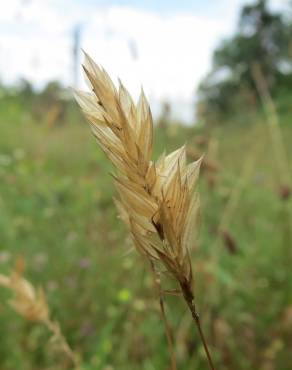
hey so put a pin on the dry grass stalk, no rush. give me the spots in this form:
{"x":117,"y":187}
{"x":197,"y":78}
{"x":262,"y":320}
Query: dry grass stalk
{"x":158,"y":200}
{"x":233,"y":201}
{"x":210,"y":166}
{"x":274,"y":126}
{"x":168,"y":329}
{"x":281,"y":160}
{"x":31,"y":304}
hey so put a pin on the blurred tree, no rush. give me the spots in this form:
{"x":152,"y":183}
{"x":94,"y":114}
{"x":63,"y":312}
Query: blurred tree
{"x":25,"y":89}
{"x":262,"y":37}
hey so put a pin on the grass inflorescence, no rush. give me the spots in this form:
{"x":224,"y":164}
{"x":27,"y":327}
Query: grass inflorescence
{"x":158,"y":200}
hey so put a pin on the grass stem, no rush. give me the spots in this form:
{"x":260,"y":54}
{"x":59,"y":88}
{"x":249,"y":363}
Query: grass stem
{"x":54,"y":328}
{"x":189,"y":298}
{"x":168,"y":329}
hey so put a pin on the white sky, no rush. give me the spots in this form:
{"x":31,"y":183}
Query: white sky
{"x":174,"y":43}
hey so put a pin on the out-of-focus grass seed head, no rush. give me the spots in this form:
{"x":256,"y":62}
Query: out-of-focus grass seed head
{"x":27,"y":301}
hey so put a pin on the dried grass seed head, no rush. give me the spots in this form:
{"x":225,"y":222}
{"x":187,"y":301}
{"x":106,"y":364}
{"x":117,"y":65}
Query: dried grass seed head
{"x":158,"y":200}
{"x":27,"y":301}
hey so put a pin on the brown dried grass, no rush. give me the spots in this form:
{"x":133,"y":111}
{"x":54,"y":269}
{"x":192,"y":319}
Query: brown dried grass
{"x":31,"y":304}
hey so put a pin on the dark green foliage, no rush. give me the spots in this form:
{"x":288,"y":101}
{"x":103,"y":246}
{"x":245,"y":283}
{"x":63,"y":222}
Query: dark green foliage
{"x":262,"y":37}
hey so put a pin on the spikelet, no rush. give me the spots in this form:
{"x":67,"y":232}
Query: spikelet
{"x":157,"y":200}
{"x":31,"y":304}
{"x":27,"y":301}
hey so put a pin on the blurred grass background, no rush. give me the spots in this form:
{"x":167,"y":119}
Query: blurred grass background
{"x":57,"y":211}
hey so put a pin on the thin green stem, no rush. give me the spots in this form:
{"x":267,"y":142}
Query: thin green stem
{"x":168,"y":330}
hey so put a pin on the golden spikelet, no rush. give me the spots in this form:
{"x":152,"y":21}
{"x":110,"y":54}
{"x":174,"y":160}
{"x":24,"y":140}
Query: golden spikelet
{"x":27,"y":301}
{"x":157,"y":200}
{"x":31,"y":304}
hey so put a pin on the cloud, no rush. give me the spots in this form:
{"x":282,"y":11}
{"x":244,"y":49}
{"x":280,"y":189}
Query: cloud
{"x":173,"y":50}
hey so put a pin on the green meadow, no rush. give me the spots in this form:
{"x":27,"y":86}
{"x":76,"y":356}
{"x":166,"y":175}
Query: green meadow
{"x":56,"y":211}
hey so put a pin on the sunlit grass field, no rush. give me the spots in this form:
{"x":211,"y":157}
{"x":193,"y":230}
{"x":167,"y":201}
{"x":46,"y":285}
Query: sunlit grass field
{"x":56,"y":211}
